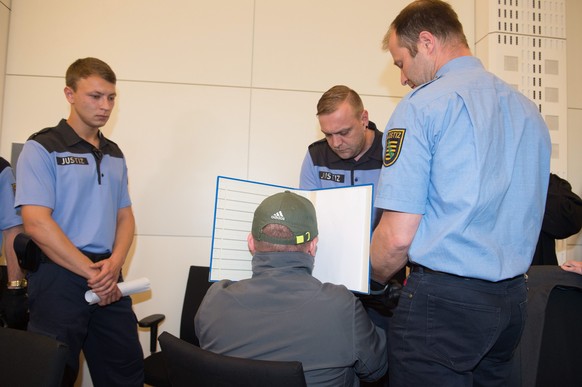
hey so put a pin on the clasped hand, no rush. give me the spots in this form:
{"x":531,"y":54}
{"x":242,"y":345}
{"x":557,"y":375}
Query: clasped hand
{"x":104,"y":283}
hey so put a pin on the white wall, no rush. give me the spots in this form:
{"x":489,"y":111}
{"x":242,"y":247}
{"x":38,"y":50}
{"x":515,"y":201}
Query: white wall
{"x":206,"y":88}
{"x":4,"y":25}
{"x":573,"y":245}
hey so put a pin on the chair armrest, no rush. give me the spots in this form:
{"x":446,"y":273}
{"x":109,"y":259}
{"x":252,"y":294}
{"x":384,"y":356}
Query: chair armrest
{"x":149,"y":321}
{"x":152,"y":322}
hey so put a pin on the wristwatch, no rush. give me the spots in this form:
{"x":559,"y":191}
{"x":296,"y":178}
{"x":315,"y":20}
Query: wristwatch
{"x":18,"y":284}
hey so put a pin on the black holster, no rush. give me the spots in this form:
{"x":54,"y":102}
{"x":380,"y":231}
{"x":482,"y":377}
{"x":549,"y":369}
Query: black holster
{"x":28,"y":253}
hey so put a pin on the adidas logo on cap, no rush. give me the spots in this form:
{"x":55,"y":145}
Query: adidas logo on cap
{"x":287,"y":209}
{"x":278,"y":216}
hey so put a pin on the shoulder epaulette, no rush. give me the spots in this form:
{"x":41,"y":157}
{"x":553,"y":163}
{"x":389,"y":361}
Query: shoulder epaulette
{"x":3,"y":164}
{"x":317,"y":143}
{"x":32,"y":136}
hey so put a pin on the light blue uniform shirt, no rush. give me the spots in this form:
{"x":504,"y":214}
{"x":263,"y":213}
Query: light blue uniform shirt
{"x":472,"y":155}
{"x":84,"y":186}
{"x":8,"y":215}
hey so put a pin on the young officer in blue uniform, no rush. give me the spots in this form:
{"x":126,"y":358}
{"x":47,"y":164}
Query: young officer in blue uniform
{"x":14,"y":306}
{"x":463,"y":190}
{"x":73,"y":194}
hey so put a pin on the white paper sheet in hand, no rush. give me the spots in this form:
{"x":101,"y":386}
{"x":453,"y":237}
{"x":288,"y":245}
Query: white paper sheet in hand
{"x":130,"y":287}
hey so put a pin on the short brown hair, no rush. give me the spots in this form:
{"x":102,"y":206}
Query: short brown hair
{"x":435,"y":16}
{"x":86,"y":67}
{"x":281,"y":232}
{"x":331,"y":99}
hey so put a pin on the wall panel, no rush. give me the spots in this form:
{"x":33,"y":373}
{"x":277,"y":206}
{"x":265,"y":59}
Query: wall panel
{"x":574,"y":63}
{"x":309,"y":46}
{"x":207,"y":42}
{"x":33,"y":103}
{"x":177,"y":139}
{"x":4,"y":25}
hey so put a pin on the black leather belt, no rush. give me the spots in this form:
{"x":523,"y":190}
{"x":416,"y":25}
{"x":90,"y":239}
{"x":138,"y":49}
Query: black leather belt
{"x":94,"y":257}
{"x":30,"y":256}
{"x":423,"y":269}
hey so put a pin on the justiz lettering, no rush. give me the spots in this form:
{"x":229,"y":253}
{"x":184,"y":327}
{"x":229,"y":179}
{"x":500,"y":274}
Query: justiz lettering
{"x":70,"y":160}
{"x":331,"y":177}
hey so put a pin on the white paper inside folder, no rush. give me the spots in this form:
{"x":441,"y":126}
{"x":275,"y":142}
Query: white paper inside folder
{"x":129,"y":287}
{"x":343,"y":249}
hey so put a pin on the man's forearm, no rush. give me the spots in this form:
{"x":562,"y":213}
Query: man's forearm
{"x":390,"y":243}
{"x":14,"y":271}
{"x":47,"y":234}
{"x":123,"y":235}
{"x":385,"y":261}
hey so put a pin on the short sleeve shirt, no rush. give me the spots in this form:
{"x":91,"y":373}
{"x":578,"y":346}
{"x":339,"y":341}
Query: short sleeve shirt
{"x":472,"y":155}
{"x":83,"y":185}
{"x":8,"y":214}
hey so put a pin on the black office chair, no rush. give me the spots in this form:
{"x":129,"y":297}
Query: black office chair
{"x":196,"y":287}
{"x":561,"y":347}
{"x":30,"y":359}
{"x":190,"y":365}
{"x":550,"y":349}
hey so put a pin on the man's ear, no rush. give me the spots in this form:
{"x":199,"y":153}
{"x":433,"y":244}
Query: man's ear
{"x":365,"y":118}
{"x":69,"y":94}
{"x":426,"y":40}
{"x":313,"y":247}
{"x":251,"y":243}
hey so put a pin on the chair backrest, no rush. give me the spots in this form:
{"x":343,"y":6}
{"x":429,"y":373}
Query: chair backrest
{"x":189,"y":365}
{"x":30,"y":359}
{"x":196,"y":289}
{"x":549,"y":351}
{"x":561,"y":341}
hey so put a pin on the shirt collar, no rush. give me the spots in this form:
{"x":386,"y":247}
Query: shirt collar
{"x":72,"y":138}
{"x":459,"y":63}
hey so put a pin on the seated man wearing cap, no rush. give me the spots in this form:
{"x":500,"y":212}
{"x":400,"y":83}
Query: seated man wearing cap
{"x":284,"y":313}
